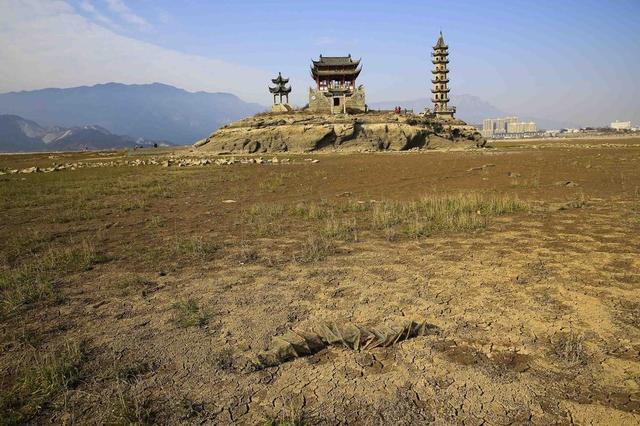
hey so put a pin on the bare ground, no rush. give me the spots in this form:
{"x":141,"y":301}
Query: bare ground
{"x":153,"y":295}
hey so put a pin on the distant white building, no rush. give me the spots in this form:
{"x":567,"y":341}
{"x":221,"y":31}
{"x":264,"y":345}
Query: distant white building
{"x":521,"y":127}
{"x":506,"y":126}
{"x":621,"y":125}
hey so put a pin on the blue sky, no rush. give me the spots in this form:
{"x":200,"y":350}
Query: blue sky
{"x":575,"y":60}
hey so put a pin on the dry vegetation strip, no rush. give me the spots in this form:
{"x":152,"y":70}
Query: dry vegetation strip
{"x":63,"y":226}
{"x":41,"y":382}
{"x":326,"y":225}
{"x":457,"y":212}
{"x":35,"y":278}
{"x":34,"y":266}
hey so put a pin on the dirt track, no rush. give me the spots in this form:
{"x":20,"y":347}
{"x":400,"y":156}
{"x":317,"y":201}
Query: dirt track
{"x":536,"y":318}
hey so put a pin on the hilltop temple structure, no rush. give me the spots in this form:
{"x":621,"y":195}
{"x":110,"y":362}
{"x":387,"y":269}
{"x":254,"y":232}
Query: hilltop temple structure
{"x":327,"y":124}
{"x":279,"y":91}
{"x":440,"y":81}
{"x":336,"y":90}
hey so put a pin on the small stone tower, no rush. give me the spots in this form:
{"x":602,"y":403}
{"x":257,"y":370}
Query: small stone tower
{"x":279,"y":91}
{"x":440,"y":80}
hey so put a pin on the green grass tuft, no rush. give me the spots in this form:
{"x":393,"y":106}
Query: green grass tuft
{"x":464,"y":212}
{"x":41,"y":382}
{"x":35,"y":279}
{"x":195,"y":248}
{"x":340,"y":229}
{"x":316,"y":248}
{"x":189,"y":314}
{"x":131,"y":409}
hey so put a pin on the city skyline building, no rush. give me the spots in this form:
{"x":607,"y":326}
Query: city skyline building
{"x":621,"y":125}
{"x":498,"y":127}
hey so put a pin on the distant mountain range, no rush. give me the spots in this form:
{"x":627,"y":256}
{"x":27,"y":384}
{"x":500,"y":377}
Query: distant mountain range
{"x":21,"y":135}
{"x":93,"y":117}
{"x":151,"y":111}
{"x":471,"y":109}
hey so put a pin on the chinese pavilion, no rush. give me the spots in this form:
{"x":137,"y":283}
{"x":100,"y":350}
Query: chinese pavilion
{"x":280,"y":89}
{"x":440,"y":80}
{"x":336,"y":90}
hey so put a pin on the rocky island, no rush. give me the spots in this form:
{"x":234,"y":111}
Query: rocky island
{"x":337,"y":117}
{"x":304,"y":131}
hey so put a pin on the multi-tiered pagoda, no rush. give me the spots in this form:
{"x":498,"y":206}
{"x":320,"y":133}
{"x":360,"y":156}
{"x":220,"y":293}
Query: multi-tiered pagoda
{"x":440,"y":80}
{"x":279,"y":91}
{"x":336,"y":90}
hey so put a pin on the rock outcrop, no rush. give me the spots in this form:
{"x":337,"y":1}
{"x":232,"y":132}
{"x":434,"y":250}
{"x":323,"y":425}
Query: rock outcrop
{"x":305,"y":132}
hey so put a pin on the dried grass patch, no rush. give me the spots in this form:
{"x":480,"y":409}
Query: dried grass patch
{"x":40,"y":382}
{"x":34,"y":280}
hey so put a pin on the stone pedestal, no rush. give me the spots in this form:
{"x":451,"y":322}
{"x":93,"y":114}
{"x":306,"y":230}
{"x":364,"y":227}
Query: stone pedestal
{"x":326,"y":102}
{"x":281,"y":108}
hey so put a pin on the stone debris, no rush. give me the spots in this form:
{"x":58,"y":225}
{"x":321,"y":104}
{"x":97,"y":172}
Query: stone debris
{"x":163,"y":162}
{"x":566,"y":183}
{"x":481,"y":167}
{"x":569,"y":205}
{"x":557,"y":144}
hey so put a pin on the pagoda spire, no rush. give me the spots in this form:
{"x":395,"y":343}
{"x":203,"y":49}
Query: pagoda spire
{"x":440,"y":81}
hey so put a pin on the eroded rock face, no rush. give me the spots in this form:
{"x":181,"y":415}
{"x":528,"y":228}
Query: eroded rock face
{"x":303,"y":132}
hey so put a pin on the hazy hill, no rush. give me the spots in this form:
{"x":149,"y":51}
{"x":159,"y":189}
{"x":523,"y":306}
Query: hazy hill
{"x":18,"y":134}
{"x":21,"y":135}
{"x":151,"y":111}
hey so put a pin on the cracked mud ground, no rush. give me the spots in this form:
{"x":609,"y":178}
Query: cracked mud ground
{"x":537,"y":314}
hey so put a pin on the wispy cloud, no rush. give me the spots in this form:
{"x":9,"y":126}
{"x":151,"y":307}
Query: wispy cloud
{"x":53,"y":45}
{"x":89,"y":8}
{"x":120,"y":8}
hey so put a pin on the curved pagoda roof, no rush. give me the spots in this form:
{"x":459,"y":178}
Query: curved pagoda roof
{"x":440,"y":44}
{"x":280,"y":87}
{"x":328,"y":66}
{"x":279,"y":79}
{"x":336,"y":61}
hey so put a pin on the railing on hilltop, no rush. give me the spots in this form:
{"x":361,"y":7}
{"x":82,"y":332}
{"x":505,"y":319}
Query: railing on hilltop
{"x":402,"y":111}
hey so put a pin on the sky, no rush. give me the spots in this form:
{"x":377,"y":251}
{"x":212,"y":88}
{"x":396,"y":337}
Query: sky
{"x":570,"y":60}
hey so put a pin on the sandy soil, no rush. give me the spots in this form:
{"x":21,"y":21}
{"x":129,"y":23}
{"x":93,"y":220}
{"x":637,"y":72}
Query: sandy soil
{"x":535,"y":318}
